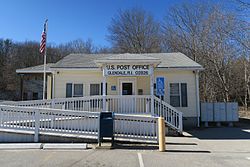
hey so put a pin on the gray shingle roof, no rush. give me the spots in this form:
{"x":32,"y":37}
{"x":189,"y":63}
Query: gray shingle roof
{"x":35,"y":69}
{"x":168,"y":60}
{"x":176,"y":60}
{"x":78,"y":61}
{"x":128,"y":56}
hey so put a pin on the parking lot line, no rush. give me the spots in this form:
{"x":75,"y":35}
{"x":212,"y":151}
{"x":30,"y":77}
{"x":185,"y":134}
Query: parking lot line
{"x":140,"y":160}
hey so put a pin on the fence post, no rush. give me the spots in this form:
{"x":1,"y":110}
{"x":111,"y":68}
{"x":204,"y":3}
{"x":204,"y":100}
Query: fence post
{"x":53,"y":103}
{"x":152,"y":106}
{"x":156,"y":129}
{"x":180,"y":122}
{"x":107,"y":105}
{"x":1,"y":117}
{"x":52,"y":122}
{"x":161,"y":134}
{"x":37,"y":125}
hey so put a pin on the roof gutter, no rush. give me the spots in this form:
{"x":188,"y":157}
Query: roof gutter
{"x":76,"y":69}
{"x":31,"y":71}
{"x":179,"y":68}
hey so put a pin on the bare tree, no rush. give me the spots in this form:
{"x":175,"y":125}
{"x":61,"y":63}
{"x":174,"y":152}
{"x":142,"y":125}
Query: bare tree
{"x":134,"y":31}
{"x":243,"y":4}
{"x":211,"y":36}
{"x":77,"y":46}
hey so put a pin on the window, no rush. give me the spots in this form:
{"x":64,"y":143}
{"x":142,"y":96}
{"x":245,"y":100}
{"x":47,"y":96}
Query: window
{"x":178,"y":94}
{"x":174,"y":94}
{"x":78,"y":90}
{"x":74,"y":90}
{"x":94,"y":89}
{"x":35,"y":96}
{"x":25,"y":96}
{"x":69,"y":90}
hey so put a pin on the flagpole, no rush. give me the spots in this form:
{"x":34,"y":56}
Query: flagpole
{"x":44,"y":65}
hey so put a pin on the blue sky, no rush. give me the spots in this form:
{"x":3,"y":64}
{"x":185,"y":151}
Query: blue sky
{"x":68,"y":19}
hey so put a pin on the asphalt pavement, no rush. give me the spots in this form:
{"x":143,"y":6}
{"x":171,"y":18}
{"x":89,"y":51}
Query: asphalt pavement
{"x":212,"y":147}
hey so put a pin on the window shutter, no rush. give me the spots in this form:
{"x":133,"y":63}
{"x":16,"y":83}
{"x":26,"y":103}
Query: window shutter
{"x":69,"y":90}
{"x":184,"y":95}
{"x":106,"y":88}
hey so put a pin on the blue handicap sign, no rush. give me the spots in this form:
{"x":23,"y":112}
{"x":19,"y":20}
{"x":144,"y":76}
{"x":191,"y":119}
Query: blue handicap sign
{"x":160,"y":86}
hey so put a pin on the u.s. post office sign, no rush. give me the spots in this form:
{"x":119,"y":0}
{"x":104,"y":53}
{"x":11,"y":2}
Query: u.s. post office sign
{"x":127,"y":70}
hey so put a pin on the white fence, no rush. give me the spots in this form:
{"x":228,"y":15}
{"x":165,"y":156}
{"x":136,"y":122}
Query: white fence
{"x":48,"y":120}
{"x":58,"y":121}
{"x":172,"y":117}
{"x":89,"y":103}
{"x":136,"y":127}
{"x":219,"y":112}
{"x":119,"y":104}
{"x":131,"y":104}
{"x":134,"y":104}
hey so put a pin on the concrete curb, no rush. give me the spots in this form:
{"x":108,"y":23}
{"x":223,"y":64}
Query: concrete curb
{"x":82,"y":146}
{"x":15,"y":146}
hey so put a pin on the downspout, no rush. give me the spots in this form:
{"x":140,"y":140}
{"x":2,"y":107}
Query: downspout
{"x":104,"y":91}
{"x":53,"y":85}
{"x":152,"y":89}
{"x":21,"y":86}
{"x":197,"y":97}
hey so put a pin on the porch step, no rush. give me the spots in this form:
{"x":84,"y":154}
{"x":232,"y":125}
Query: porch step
{"x":172,"y":132}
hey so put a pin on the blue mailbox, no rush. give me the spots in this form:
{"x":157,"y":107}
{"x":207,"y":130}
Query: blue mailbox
{"x":106,"y":126}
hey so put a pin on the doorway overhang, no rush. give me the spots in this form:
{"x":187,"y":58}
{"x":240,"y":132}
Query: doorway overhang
{"x":128,"y":59}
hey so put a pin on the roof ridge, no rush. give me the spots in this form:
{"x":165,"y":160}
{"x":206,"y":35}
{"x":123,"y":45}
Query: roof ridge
{"x":167,"y":60}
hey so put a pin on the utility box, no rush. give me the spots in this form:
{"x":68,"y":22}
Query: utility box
{"x":106,"y":127}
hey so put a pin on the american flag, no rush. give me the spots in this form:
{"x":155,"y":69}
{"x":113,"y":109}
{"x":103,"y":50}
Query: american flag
{"x":43,"y":39}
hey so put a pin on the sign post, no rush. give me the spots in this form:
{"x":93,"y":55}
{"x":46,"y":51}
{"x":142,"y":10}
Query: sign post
{"x":160,"y":89}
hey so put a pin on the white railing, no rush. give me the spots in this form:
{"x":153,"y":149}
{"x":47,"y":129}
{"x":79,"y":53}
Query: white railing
{"x":130,"y":104}
{"x":49,"y":120}
{"x":136,"y":127}
{"x":59,"y":121}
{"x":29,"y":103}
{"x":172,"y":116}
{"x":12,"y":117}
{"x":87,"y":103}
{"x":134,"y":104}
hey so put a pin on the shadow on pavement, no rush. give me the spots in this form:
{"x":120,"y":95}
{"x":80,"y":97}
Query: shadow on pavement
{"x":135,"y":146}
{"x":241,"y":131}
{"x":155,"y":147}
{"x":185,"y":144}
{"x":188,"y":151}
{"x":147,"y":146}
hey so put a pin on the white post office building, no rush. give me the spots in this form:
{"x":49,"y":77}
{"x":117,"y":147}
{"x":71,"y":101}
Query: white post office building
{"x":127,"y":82}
